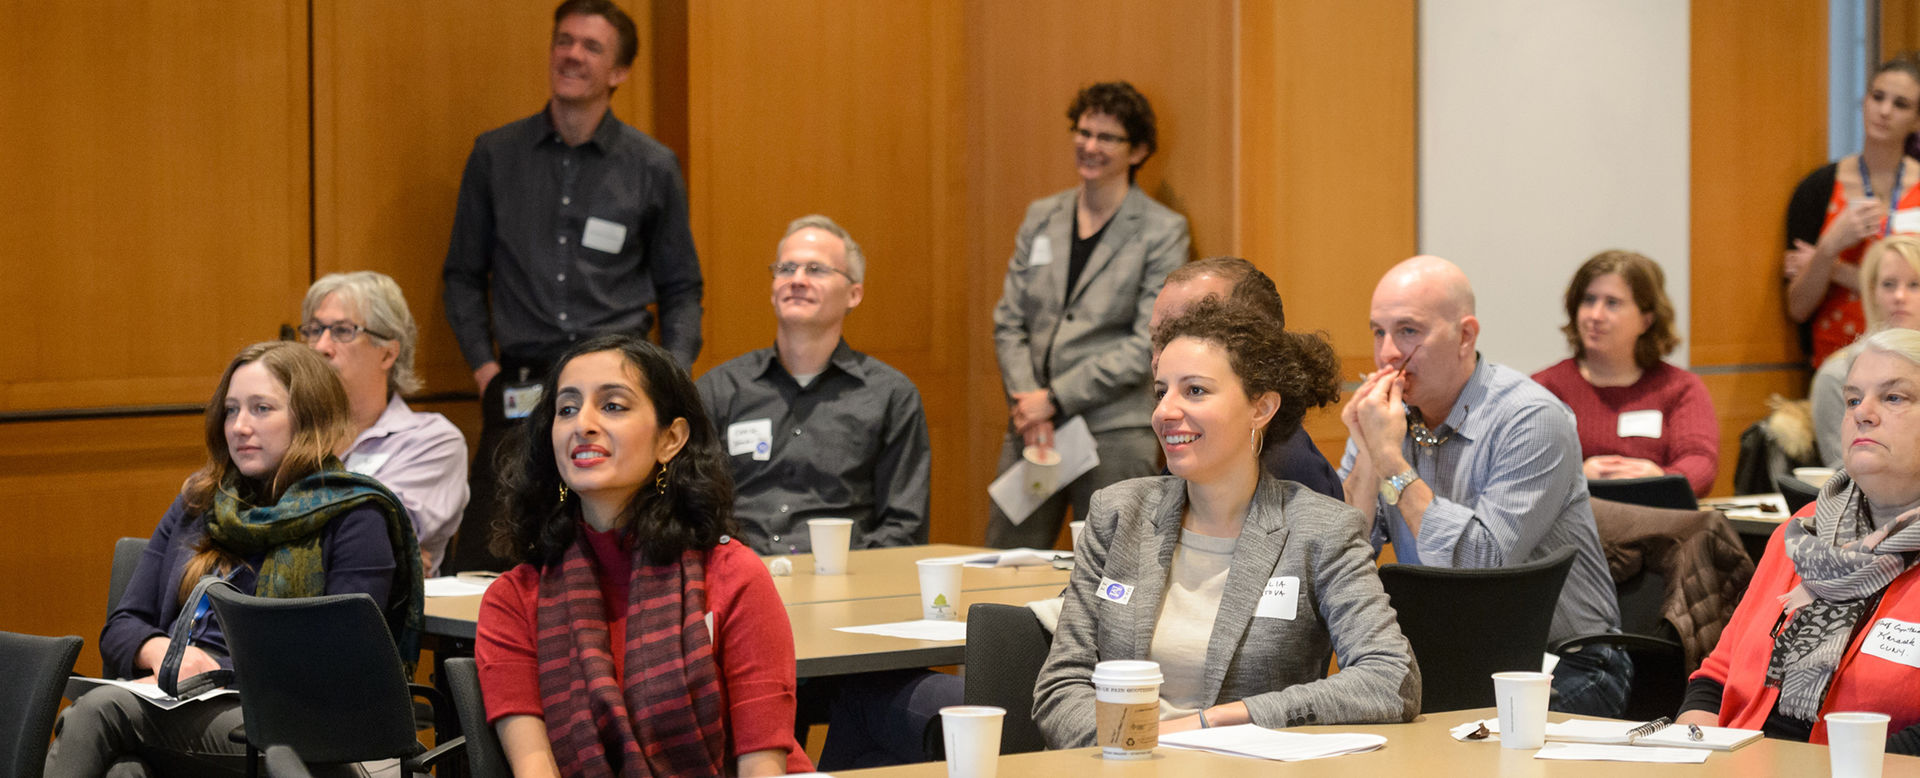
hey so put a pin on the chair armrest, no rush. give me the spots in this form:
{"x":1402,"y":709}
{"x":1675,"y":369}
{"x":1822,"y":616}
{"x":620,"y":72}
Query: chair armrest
{"x":432,"y":757}
{"x":1627,"y":641}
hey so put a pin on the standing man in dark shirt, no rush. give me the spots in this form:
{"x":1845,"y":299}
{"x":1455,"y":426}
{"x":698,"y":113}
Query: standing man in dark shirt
{"x":569,"y":224}
{"x":816,"y":429}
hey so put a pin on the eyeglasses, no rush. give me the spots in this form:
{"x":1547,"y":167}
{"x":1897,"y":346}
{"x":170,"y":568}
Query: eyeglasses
{"x":343,"y":331}
{"x":811,"y":269}
{"x":1106,"y":139}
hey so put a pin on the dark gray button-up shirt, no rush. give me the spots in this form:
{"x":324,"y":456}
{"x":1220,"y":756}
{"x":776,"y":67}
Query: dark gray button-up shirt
{"x":567,"y":242}
{"x":852,"y":444}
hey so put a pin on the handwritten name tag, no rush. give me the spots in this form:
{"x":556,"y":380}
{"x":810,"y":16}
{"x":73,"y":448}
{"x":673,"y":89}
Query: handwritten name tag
{"x":1639,"y":424}
{"x":1114,"y":591}
{"x":1281,"y":600}
{"x":1895,"y":641}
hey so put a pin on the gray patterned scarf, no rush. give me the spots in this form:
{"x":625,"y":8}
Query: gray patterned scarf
{"x":1844,"y":564}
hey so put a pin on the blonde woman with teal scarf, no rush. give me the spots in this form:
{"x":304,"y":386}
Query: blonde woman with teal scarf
{"x":273,"y":512}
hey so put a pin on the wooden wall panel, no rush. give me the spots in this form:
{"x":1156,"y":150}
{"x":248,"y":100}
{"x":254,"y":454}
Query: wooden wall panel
{"x":853,"y":110}
{"x":1765,"y":60}
{"x":395,"y":115}
{"x":1749,"y":61}
{"x":1899,"y":27}
{"x":1024,"y":63}
{"x":1328,"y":150}
{"x":155,"y":195}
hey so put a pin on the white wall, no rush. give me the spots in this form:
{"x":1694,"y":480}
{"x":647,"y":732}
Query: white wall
{"x":1550,"y":131}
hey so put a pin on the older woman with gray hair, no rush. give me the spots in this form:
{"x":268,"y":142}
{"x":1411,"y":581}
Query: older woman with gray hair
{"x":1890,"y":298}
{"x":361,"y":324}
{"x":1828,"y":622}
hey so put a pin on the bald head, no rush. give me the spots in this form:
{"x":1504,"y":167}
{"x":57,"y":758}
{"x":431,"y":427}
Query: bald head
{"x":1439,"y":284}
{"x":1423,"y":324}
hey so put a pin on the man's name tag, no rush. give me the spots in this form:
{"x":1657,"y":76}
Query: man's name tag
{"x":1114,"y":591}
{"x":1906,"y":220}
{"x":1639,"y":424}
{"x":366,"y":464}
{"x":1041,"y":253}
{"x":1895,"y":641}
{"x":603,"y":235}
{"x":753,"y":436}
{"x":519,"y":399}
{"x":1281,"y":600}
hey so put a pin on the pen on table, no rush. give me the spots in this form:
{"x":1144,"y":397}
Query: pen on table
{"x":1694,"y":734}
{"x":1647,"y":729}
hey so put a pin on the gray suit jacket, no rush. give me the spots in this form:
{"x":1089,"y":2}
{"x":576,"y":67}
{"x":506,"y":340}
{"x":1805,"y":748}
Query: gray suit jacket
{"x":1278,"y":667}
{"x":1092,"y":349}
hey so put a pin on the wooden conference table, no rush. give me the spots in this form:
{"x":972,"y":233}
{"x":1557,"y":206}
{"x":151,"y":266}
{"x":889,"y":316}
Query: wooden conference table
{"x":1422,"y":747}
{"x":882,"y":585}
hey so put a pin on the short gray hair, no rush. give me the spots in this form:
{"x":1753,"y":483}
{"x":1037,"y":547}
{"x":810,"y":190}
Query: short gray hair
{"x":856,"y":261}
{"x":1897,"y":341}
{"x":381,"y":308}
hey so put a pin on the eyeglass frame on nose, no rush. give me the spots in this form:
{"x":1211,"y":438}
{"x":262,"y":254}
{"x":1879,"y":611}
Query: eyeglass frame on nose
{"x":810,"y":269}
{"x":343,"y":331}
{"x":1106,"y":139}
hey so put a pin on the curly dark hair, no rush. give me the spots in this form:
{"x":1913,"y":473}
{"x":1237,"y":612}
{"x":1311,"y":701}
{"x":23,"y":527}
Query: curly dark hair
{"x":1649,"y":286}
{"x":1302,"y":368}
{"x":1121,"y":101}
{"x":696,"y":509}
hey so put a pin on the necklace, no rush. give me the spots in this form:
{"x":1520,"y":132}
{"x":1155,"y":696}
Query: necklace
{"x":1417,"y":427}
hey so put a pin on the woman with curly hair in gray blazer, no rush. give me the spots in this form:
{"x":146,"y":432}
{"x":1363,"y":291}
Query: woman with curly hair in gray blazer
{"x":1240,"y":585}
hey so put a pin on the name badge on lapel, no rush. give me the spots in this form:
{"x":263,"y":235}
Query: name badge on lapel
{"x":1041,"y":253}
{"x":1114,"y":591}
{"x":1281,"y":600}
{"x":1895,"y":641}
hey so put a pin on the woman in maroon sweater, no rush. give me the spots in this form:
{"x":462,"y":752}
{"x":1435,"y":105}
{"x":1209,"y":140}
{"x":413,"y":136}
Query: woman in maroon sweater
{"x":1638,"y":415}
{"x":635,"y":637}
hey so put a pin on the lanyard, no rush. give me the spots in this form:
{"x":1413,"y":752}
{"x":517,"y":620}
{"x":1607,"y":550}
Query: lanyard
{"x":1866,"y":188}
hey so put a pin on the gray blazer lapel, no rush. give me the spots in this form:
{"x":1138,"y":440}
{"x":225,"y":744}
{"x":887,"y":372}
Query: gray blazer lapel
{"x":1126,"y":223}
{"x":1254,"y":558}
{"x":1155,"y":554}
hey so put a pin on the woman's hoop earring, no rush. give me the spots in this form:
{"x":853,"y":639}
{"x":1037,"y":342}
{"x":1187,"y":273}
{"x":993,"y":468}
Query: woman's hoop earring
{"x":660,"y":481}
{"x":1258,"y":442}
{"x":563,"y":494}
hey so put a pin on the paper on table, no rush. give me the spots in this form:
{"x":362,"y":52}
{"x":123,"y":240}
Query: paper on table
{"x":1078,"y":454}
{"x":1012,"y":557}
{"x":458,"y":585}
{"x":1593,"y":752}
{"x":1591,"y":731}
{"x":1262,"y":743}
{"x":918,"y":629}
{"x":150,"y":693}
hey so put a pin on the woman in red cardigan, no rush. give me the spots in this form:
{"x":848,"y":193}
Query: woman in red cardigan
{"x":635,"y":637}
{"x":1638,"y":415}
{"x":1828,"y":622}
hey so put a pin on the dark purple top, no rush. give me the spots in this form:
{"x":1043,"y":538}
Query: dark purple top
{"x":358,"y":558}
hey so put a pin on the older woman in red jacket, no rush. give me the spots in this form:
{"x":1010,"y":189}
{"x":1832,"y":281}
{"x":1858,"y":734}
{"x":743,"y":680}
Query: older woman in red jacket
{"x":1828,"y":621}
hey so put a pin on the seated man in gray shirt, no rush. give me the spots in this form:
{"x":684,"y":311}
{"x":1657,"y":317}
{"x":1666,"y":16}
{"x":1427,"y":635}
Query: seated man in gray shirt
{"x":1465,"y":463}
{"x":816,"y":429}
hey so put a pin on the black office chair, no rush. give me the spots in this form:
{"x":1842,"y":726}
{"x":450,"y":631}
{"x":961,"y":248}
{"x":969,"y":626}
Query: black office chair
{"x":1659,"y":672}
{"x":484,"y":757}
{"x":33,"y":671}
{"x":1466,"y":624}
{"x":1005,"y":647}
{"x":1659,"y":491}
{"x":126,"y":559}
{"x":1796,"y":492}
{"x":321,"y":675}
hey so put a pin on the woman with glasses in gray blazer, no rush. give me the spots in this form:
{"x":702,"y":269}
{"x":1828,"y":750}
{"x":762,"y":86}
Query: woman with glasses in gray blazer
{"x":1241,"y":586}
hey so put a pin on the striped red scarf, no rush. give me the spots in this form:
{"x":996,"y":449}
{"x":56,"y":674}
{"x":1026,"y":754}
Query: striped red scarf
{"x":664,"y":717}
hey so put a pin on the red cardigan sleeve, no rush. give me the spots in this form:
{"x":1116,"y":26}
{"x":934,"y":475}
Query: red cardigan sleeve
{"x":755,"y":652}
{"x":503,"y":649}
{"x":1695,"y":450}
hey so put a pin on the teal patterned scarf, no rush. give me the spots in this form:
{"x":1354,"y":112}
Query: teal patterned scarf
{"x":289,"y":531}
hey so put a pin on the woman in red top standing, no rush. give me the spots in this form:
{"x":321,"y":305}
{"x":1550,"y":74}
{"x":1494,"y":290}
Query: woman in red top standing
{"x":1839,"y":208}
{"x":1637,"y":414}
{"x":635,"y":638}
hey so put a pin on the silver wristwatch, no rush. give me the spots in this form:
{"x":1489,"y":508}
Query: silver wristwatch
{"x":1391,"y":488}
